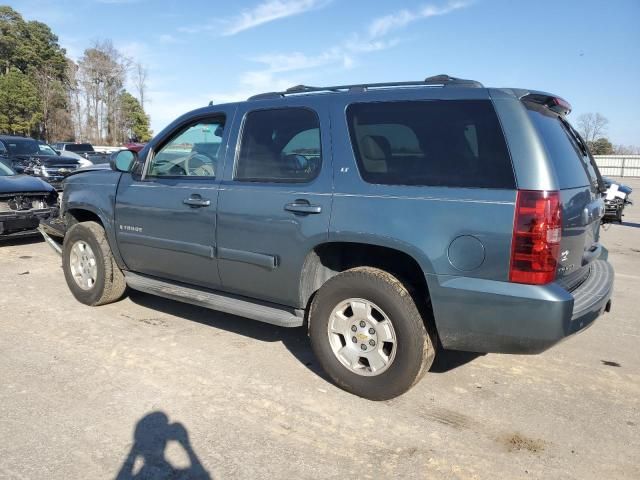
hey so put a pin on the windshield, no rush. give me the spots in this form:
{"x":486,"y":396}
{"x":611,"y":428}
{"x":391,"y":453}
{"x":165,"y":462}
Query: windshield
{"x":5,"y":171}
{"x":47,"y":150}
{"x":79,"y":147}
{"x":22,"y":146}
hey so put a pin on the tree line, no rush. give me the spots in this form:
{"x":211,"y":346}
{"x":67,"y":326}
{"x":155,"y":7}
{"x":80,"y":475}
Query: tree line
{"x":46,"y":95}
{"x":593,"y":128}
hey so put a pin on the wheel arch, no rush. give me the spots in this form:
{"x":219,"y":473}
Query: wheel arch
{"x":328,"y":259}
{"x":76,"y":212}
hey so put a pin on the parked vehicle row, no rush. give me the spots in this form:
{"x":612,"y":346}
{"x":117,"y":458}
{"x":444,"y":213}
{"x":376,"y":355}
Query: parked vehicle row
{"x":387,"y":218}
{"x":84,"y":150}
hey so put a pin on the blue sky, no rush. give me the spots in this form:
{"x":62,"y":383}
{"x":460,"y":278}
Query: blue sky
{"x":587,"y":51}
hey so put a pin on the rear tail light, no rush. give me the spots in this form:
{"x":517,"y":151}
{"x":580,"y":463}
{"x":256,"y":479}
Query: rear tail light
{"x":537,"y":231}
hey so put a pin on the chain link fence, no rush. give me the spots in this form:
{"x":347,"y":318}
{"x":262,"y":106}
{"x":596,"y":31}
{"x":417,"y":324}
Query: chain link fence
{"x":618,"y":165}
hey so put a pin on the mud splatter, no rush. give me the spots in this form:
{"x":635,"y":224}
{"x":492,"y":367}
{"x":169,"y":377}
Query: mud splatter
{"x":517,"y":442}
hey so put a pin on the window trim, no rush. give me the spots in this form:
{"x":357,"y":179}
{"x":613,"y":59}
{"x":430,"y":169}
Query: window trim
{"x":183,"y":127}
{"x":240,"y":139}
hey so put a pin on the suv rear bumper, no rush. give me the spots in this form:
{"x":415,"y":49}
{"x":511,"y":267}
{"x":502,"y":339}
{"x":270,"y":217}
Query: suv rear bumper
{"x":489,"y":316}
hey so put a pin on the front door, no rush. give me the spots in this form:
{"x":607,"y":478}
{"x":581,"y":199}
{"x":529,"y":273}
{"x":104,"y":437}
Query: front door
{"x":275,"y":204}
{"x":166,"y":218}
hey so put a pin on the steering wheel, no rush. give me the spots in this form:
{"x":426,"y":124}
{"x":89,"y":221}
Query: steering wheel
{"x":199,"y":165}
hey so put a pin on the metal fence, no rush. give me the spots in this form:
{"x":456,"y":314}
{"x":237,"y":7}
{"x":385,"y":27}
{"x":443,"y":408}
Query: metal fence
{"x":618,"y":165}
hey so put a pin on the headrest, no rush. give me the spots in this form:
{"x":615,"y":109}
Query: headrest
{"x":375,"y":147}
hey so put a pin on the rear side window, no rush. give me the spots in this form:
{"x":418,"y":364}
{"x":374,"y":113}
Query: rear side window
{"x":79,"y":147}
{"x":564,"y":153}
{"x":453,"y":143}
{"x":280,"y":146}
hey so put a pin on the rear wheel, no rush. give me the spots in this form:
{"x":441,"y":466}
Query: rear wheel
{"x":89,"y":267}
{"x":368,"y":334}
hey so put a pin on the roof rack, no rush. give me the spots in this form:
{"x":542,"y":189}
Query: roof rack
{"x":436,"y":80}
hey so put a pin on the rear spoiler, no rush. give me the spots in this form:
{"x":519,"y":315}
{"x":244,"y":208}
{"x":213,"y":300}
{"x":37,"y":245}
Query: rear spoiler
{"x":552,"y":102}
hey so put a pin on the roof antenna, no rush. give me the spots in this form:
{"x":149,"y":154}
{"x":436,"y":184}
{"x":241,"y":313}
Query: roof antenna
{"x":211,"y":103}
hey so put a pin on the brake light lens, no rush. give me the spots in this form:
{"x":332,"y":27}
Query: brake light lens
{"x":537,"y":232}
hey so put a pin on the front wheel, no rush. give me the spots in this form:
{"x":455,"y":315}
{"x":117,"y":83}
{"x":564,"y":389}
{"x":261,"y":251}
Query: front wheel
{"x":89,"y":267}
{"x":368,"y":334}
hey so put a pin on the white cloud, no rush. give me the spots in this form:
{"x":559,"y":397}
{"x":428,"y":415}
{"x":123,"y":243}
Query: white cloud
{"x":384,"y":25}
{"x":269,"y":11}
{"x":167,"y":38}
{"x":265,"y":12}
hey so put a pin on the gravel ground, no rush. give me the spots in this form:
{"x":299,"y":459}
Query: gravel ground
{"x":220,"y":396}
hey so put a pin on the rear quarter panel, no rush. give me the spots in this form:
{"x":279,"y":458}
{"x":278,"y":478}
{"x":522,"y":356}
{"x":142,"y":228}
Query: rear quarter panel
{"x":420,"y":221}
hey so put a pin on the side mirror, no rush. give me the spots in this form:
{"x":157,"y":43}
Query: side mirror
{"x":122,"y":161}
{"x":58,"y":152}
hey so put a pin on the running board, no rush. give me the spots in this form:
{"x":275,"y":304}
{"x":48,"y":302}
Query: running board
{"x":263,"y":312}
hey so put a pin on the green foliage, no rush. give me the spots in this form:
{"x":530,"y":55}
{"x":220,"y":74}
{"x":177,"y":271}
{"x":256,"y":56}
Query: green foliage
{"x":600,"y":146}
{"x":29,"y":46}
{"x":19,"y":103}
{"x":135,"y":120}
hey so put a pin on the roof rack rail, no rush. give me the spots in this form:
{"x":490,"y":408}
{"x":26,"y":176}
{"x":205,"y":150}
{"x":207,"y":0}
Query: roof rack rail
{"x":443,"y":80}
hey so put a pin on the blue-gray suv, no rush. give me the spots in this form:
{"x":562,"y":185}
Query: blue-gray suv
{"x":389,"y":219}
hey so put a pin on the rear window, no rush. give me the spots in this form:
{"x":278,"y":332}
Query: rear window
{"x":22,"y":146}
{"x":453,"y":143}
{"x":79,"y":147}
{"x":564,"y":153}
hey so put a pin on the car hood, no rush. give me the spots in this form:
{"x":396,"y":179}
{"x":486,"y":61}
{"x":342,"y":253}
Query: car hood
{"x":23,"y":183}
{"x":48,"y":159}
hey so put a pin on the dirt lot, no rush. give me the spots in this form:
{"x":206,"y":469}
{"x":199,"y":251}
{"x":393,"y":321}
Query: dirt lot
{"x":246,"y":400}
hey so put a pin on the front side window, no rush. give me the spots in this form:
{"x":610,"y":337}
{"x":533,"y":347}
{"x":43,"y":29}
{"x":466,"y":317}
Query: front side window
{"x":280,"y":145}
{"x":47,"y":150}
{"x":5,"y":171}
{"x":192,"y":152}
{"x":452,"y":143}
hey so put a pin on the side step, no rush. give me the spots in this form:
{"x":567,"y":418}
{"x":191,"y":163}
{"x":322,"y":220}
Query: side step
{"x":223,"y":302}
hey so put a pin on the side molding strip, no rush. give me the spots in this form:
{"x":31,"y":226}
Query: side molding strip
{"x":223,"y":302}
{"x":260,"y":259}
{"x":206,"y":251}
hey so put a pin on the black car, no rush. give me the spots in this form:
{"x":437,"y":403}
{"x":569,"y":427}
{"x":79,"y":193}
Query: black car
{"x":26,"y":155}
{"x":24,"y":201}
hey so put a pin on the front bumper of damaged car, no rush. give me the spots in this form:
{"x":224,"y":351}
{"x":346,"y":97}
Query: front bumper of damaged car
{"x":24,"y":222}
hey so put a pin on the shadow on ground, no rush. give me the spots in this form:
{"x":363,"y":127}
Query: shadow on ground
{"x":17,"y":241}
{"x":631,"y":224}
{"x":147,"y":457}
{"x":294,"y":339}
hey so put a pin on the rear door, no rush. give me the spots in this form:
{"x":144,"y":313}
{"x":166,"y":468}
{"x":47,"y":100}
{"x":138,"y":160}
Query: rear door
{"x":275,"y":204}
{"x":582,"y":203}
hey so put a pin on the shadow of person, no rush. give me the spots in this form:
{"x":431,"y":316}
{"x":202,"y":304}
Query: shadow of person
{"x":146,"y":459}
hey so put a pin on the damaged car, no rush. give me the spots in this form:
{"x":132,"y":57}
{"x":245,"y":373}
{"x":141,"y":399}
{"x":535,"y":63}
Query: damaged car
{"x":24,"y":201}
{"x":26,"y":155}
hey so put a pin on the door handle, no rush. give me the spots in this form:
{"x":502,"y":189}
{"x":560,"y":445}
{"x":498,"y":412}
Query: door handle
{"x":302,"y":206}
{"x":196,"y":201}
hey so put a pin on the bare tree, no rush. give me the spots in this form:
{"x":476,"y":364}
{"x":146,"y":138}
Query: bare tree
{"x":103,"y":71}
{"x":592,"y":126}
{"x":49,"y":90}
{"x":626,"y":150}
{"x":140,"y":75}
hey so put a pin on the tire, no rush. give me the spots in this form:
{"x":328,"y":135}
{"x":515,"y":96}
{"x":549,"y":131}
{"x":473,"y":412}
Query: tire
{"x":411,"y":353}
{"x":108,"y":285}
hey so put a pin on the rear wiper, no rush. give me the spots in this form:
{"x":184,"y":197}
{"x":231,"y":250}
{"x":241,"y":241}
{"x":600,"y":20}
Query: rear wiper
{"x":585,"y":151}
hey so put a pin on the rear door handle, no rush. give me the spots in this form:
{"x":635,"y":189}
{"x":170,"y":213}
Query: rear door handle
{"x":196,"y":201}
{"x":302,"y":206}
